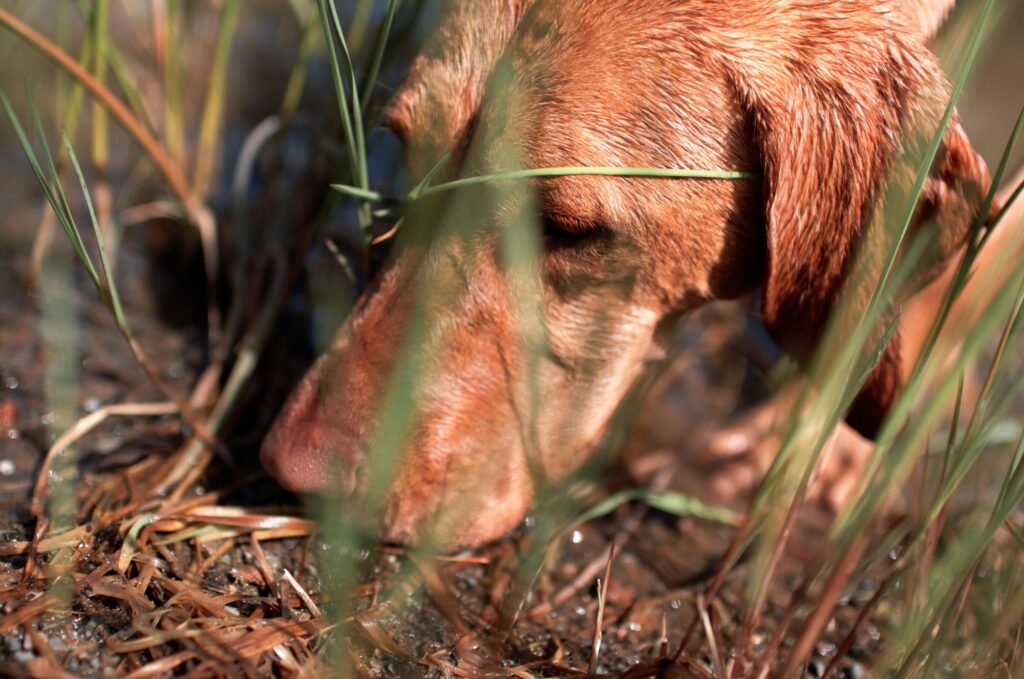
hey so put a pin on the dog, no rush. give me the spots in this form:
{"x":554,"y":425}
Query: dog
{"x":820,"y":100}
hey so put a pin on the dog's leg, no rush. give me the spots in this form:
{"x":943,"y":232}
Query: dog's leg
{"x":736,"y":457}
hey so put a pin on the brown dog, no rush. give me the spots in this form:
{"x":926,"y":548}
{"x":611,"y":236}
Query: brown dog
{"x":819,"y":98}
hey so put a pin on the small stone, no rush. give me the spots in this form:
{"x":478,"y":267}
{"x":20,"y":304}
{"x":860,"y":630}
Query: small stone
{"x":854,"y":671}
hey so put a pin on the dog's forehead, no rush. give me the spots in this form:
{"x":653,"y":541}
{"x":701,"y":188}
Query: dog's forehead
{"x":596,"y":74}
{"x":603,"y":83}
{"x":548,"y":46}
{"x":445,"y":87}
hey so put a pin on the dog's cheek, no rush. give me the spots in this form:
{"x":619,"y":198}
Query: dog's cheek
{"x":470,"y":489}
{"x":599,"y":344}
{"x":463,"y":478}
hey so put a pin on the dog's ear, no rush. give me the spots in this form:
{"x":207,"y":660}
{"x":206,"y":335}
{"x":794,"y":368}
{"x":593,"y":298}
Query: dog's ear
{"x":927,"y":16}
{"x":835,"y":131}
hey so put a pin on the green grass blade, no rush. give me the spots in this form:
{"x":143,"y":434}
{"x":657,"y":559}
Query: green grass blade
{"x":936,"y":142}
{"x":123,"y":75}
{"x":177,"y":48}
{"x":543,"y":172}
{"x":100,"y":123}
{"x":341,"y":92}
{"x":429,"y":177}
{"x":669,"y":502}
{"x":65,"y":209}
{"x":665,"y":173}
{"x":1010,"y":201}
{"x":353,"y":89}
{"x":997,"y":177}
{"x":356,"y":192}
{"x":51,"y":187}
{"x":70,"y":113}
{"x":29,"y":151}
{"x":216,"y":91}
{"x":378,"y":56}
{"x":297,"y":78}
{"x":110,"y":288}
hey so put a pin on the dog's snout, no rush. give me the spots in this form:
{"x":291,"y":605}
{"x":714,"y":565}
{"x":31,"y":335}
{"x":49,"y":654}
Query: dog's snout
{"x":306,"y":457}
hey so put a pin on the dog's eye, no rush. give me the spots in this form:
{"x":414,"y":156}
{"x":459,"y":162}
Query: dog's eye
{"x":559,"y":231}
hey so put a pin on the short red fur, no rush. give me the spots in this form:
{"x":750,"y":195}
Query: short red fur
{"x":825,"y":100}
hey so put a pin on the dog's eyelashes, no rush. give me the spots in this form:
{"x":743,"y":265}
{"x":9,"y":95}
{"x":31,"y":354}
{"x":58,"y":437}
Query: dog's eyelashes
{"x":560,"y":231}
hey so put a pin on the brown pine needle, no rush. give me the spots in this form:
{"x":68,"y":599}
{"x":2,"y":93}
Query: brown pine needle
{"x":303,"y":594}
{"x":602,"y":595}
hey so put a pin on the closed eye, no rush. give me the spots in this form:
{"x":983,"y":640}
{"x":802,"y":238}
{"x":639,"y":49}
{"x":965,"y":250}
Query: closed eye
{"x":560,"y":232}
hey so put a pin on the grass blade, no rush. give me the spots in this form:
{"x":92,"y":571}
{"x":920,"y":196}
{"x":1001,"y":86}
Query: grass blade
{"x":213,"y":110}
{"x":110,"y":288}
{"x":51,"y":187}
{"x":378,"y":56}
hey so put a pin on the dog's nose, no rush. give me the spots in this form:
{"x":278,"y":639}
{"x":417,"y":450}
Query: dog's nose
{"x":294,"y":459}
{"x":304,"y":456}
{"x":308,"y":451}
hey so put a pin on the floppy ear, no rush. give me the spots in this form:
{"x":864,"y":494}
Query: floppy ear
{"x":832,"y":129}
{"x":927,"y":16}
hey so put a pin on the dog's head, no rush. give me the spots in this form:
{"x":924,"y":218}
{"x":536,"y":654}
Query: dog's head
{"x":514,"y":365}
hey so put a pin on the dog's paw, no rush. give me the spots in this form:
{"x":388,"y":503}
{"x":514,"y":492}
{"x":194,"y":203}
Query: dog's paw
{"x":735,"y":459}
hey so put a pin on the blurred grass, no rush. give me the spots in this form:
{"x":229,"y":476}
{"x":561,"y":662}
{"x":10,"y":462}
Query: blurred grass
{"x":193,"y":139}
